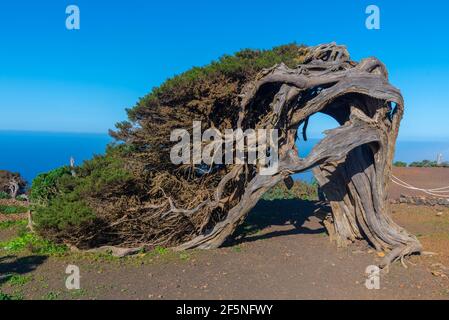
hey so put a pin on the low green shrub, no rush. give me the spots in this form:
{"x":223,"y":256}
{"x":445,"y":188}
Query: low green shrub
{"x":18,"y":280}
{"x":7,"y":297}
{"x":428,"y":164}
{"x":63,"y":213}
{"x":13,"y":209}
{"x":400,"y":164}
{"x":4,"y":195}
{"x":33,"y":243}
{"x":47,"y":185}
{"x":60,"y":201}
{"x":10,"y":224}
{"x":300,"y":190}
{"x":52,"y":295}
{"x":161,"y":250}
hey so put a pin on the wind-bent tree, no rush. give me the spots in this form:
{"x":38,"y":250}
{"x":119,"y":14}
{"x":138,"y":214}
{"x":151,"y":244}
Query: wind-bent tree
{"x":11,"y":183}
{"x":134,"y":196}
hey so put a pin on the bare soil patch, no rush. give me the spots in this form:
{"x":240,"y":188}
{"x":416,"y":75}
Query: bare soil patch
{"x":424,"y":178}
{"x":281,"y":252}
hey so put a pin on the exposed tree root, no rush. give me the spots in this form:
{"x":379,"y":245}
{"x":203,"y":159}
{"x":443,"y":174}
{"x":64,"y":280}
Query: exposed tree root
{"x":114,"y":251}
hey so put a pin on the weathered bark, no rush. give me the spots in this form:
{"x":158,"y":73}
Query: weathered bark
{"x":11,"y":183}
{"x":352,"y":163}
{"x":13,"y":188}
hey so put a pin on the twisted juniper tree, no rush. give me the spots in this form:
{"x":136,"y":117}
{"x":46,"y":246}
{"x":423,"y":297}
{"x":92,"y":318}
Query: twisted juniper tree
{"x":134,"y":196}
{"x":11,"y":183}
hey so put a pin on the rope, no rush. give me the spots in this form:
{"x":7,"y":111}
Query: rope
{"x":431,"y":190}
{"x":437,"y":192}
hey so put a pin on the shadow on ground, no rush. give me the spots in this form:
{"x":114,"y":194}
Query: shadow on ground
{"x":13,"y":265}
{"x":276,"y":213}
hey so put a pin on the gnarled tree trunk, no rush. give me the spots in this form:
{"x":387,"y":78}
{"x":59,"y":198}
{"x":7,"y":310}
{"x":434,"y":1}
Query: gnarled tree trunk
{"x":352,"y":163}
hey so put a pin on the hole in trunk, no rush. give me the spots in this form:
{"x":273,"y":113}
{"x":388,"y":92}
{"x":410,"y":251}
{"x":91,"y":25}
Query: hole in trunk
{"x":318,"y":123}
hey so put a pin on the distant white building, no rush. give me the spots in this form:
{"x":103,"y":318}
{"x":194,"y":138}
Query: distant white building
{"x":72,"y":166}
{"x":439,"y":159}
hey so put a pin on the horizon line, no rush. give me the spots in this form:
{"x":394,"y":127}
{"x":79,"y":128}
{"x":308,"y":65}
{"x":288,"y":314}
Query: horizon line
{"x":55,"y":132}
{"x":404,"y":139}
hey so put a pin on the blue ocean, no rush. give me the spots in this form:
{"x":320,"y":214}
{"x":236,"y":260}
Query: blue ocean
{"x":31,"y":153}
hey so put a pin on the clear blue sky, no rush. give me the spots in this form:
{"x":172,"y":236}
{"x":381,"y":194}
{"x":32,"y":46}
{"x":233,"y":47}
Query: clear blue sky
{"x":52,"y":79}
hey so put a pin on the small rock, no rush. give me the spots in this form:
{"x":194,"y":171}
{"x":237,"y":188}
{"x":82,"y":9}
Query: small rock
{"x":436,"y":273}
{"x":439,"y":214}
{"x":381,"y":254}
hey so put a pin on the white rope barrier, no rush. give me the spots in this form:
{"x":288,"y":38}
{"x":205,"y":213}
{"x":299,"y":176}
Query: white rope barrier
{"x":436,"y":192}
{"x":430,"y":190}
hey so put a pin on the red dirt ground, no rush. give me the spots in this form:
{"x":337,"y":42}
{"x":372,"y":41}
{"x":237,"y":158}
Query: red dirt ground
{"x":280,"y":253}
{"x":424,"y":178}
